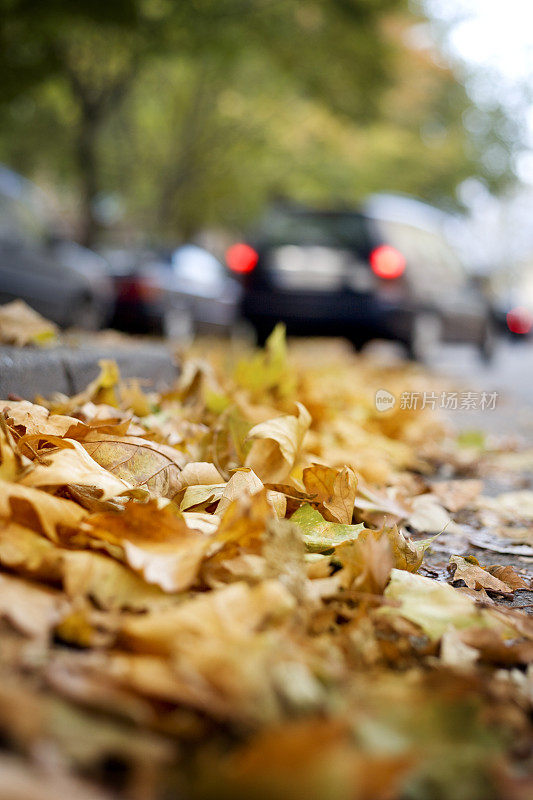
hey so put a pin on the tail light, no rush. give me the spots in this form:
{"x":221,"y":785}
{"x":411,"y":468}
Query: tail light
{"x":387,"y":262}
{"x":519,"y":320}
{"x":241,"y":258}
{"x":138,"y":288}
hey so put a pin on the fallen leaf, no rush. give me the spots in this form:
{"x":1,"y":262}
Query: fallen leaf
{"x":21,"y":325}
{"x":11,"y":461}
{"x":320,"y":535}
{"x":144,"y":464}
{"x":38,"y":510}
{"x":82,"y":573}
{"x":33,"y":610}
{"x":276,"y":445}
{"x":153,"y":541}
{"x":71,"y":464}
{"x":199,"y":497}
{"x":496,"y":544}
{"x":33,"y":419}
{"x":457,"y":494}
{"x":509,"y":576}
{"x":335,"y":490}
{"x":437,"y":607}
{"x":475,"y":577}
{"x":429,"y":516}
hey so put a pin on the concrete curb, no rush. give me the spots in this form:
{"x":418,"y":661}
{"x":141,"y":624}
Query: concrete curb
{"x":27,"y":372}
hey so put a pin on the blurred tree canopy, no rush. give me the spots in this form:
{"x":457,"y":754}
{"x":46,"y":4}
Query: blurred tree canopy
{"x":195,"y":113}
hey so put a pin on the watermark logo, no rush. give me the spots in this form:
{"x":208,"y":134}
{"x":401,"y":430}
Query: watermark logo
{"x":384,"y":400}
{"x":448,"y":401}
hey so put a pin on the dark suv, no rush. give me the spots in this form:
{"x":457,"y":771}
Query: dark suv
{"x":383,"y":272}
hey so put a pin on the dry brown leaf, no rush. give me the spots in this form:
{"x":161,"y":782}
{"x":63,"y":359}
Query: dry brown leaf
{"x":242,"y":526}
{"x":144,"y":464}
{"x":28,"y":553}
{"x":38,"y":510}
{"x":475,"y":577}
{"x":334,"y":489}
{"x":153,"y":541}
{"x":509,"y":576}
{"x":366,"y":564}
{"x":71,"y":464}
{"x":243,"y":481}
{"x":200,"y":497}
{"x":493,"y":649}
{"x":31,"y":418}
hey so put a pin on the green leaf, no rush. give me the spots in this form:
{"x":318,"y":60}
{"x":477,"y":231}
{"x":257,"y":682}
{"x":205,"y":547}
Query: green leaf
{"x":268,"y":369}
{"x":320,"y":535}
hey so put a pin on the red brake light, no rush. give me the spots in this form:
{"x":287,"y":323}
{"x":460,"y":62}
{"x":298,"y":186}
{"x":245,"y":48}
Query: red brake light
{"x":138,"y":288}
{"x":519,"y":320}
{"x":387,"y":262}
{"x":241,"y":258}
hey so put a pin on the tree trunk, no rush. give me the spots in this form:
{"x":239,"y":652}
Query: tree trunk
{"x":87,"y":158}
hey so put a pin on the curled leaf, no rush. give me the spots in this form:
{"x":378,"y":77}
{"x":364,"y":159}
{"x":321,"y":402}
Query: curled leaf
{"x":334,"y":489}
{"x":276,"y":445}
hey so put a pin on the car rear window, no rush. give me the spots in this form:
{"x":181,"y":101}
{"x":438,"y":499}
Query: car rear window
{"x":343,"y":230}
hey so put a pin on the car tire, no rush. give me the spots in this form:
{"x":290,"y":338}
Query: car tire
{"x":488,"y":342}
{"x":425,"y":336}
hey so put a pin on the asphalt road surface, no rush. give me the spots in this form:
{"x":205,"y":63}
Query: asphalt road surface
{"x":510,"y":375}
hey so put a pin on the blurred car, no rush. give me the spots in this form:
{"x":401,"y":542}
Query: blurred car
{"x":63,"y":281}
{"x":174,"y":294}
{"x":386,"y":271}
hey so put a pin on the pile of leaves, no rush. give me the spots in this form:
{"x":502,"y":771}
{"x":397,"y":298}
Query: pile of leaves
{"x":220,"y":591}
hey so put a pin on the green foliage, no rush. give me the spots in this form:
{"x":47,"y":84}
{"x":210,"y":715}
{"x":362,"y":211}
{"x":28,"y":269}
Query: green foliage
{"x":196,"y":113}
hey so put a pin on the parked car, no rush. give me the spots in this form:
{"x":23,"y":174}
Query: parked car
{"x":64,"y":282}
{"x":385,"y":271}
{"x":174,"y":293}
